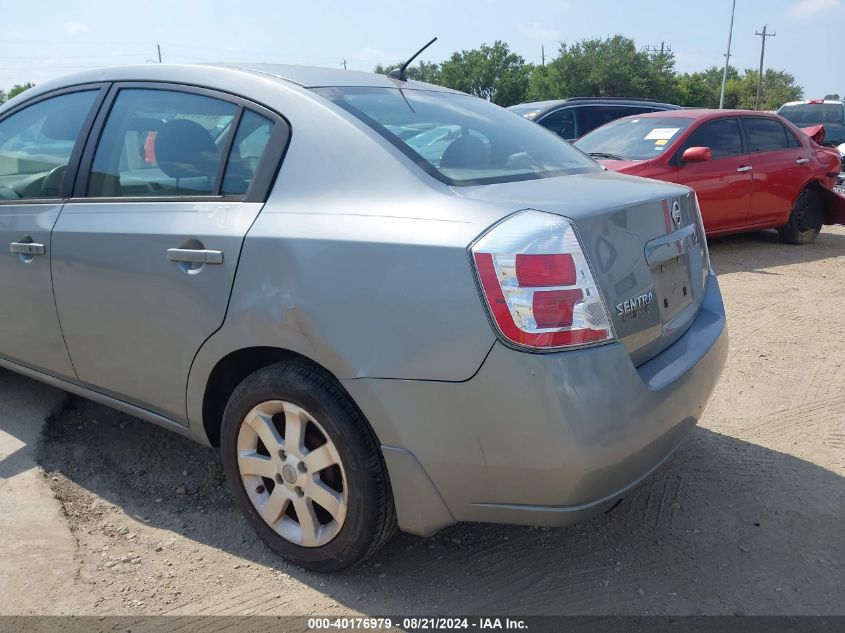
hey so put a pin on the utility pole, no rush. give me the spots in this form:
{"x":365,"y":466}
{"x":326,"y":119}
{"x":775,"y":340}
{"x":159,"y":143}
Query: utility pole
{"x":727,"y":58}
{"x":661,"y":51}
{"x":543,"y":54}
{"x":763,"y":35}
{"x":158,"y":49}
{"x":344,"y":64}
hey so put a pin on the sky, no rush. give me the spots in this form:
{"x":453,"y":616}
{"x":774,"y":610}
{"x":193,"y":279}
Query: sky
{"x":44,"y":39}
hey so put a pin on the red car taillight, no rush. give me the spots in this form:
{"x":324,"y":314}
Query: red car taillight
{"x":537,"y":283}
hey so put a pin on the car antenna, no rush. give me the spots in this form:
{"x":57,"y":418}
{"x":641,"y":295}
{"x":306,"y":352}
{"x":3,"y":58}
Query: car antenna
{"x":399,"y":73}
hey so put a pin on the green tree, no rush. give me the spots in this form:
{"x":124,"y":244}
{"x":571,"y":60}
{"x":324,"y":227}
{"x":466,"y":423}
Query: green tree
{"x":423,"y":71}
{"x":611,"y":67}
{"x":702,"y":89}
{"x":778,"y":87}
{"x":544,"y":83}
{"x":834,"y":97}
{"x":490,"y":72}
{"x":3,"y":97}
{"x":19,"y":88}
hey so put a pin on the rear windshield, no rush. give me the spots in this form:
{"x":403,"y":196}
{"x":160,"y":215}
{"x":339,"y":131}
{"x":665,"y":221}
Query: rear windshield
{"x":633,"y":138}
{"x":458,"y":139}
{"x":805,"y":114}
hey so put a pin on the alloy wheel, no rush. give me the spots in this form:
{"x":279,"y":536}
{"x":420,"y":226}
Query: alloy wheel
{"x":292,"y":473}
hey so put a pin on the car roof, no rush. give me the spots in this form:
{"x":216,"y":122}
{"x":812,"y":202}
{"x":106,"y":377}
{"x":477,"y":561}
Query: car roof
{"x":813,"y":102}
{"x":320,"y":77}
{"x":701,"y":113}
{"x":538,"y":105}
{"x":541,"y":107}
{"x":207,"y":74}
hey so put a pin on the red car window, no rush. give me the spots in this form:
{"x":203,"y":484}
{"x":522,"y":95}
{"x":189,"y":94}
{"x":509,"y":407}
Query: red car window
{"x":722,"y":136}
{"x":765,"y":135}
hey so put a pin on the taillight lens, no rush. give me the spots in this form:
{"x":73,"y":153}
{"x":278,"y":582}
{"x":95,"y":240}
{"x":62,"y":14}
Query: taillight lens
{"x":545,"y":270}
{"x":702,"y":237}
{"x":538,"y":285}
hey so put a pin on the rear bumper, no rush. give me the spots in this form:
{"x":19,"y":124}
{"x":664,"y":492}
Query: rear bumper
{"x":541,"y":439}
{"x":834,"y":206}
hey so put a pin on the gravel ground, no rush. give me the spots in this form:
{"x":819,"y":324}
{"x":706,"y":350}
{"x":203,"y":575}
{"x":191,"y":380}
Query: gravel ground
{"x":746,"y":518}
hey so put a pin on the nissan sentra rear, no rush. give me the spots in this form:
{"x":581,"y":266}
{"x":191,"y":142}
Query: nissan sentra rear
{"x":389,"y":304}
{"x":609,"y":323}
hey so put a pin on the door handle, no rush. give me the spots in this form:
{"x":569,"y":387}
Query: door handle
{"x":744,"y":169}
{"x":26,"y":248}
{"x":195,"y":256}
{"x":802,"y":161}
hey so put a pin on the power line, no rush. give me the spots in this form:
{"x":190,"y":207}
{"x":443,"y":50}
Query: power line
{"x":663,"y":49}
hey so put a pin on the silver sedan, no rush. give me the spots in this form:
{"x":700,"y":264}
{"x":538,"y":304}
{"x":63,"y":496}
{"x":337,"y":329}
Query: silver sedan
{"x":387,"y":303}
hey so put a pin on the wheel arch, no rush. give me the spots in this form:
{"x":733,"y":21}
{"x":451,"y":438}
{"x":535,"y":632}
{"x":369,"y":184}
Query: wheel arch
{"x":419,"y":507}
{"x":812,"y":184}
{"x":229,"y":372}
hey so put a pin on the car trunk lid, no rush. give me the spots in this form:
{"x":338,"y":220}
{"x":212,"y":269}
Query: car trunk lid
{"x":644,"y":240}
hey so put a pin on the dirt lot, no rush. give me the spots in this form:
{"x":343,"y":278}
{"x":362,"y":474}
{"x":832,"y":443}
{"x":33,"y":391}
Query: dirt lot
{"x":747,"y":517}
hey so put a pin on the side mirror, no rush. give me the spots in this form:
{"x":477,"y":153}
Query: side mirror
{"x":696,"y":155}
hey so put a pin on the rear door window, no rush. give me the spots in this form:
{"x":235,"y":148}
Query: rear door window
{"x":765,"y":135}
{"x":249,"y":146}
{"x":561,"y":122}
{"x":36,"y":144}
{"x":722,"y":136}
{"x":591,"y":117}
{"x":161,"y":143}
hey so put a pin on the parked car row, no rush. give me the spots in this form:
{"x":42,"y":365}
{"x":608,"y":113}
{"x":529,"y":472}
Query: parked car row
{"x":751,"y":170}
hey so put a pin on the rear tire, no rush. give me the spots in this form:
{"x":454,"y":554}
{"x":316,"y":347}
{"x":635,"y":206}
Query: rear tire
{"x":293,"y":443}
{"x":805,"y":221}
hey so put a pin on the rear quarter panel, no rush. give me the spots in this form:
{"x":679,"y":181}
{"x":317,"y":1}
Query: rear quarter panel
{"x":361,"y":295}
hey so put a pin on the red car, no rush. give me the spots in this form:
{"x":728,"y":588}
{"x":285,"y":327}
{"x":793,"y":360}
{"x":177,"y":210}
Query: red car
{"x":751,"y":170}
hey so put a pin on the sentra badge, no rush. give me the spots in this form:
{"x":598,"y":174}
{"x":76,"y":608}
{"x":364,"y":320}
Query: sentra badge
{"x":634,"y":307}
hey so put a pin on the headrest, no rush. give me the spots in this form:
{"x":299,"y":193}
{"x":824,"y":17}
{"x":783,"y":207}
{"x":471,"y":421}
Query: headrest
{"x":61,"y":127}
{"x":185,"y":149}
{"x":468,"y":152}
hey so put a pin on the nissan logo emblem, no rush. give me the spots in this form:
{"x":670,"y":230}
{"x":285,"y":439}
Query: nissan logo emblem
{"x":676,"y":214}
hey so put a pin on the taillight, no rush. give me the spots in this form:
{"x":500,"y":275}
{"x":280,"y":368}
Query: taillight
{"x":702,"y":237}
{"x":538,"y":285}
